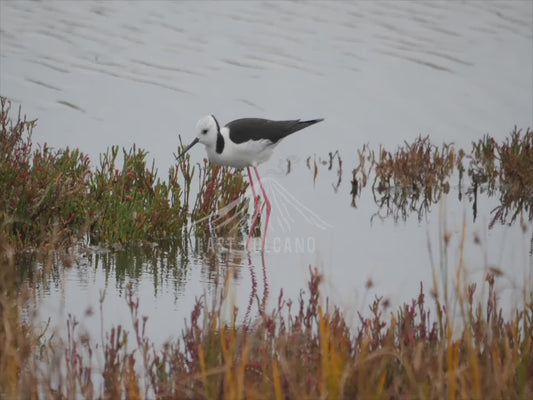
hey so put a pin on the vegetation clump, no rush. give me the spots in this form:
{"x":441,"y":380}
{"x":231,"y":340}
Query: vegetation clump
{"x":416,"y":175}
{"x":506,"y":169}
{"x":55,"y":197}
{"x":43,"y":192}
{"x":413,"y":177}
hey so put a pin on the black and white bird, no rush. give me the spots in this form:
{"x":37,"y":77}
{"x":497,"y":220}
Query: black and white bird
{"x":245,"y":143}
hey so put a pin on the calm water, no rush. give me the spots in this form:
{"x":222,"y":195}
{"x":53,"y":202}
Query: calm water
{"x":103,"y":73}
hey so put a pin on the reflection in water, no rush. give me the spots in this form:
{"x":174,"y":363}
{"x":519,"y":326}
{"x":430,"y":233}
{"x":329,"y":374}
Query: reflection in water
{"x":164,"y":264}
{"x":254,"y":297}
{"x":225,"y":258}
{"x":162,"y":272}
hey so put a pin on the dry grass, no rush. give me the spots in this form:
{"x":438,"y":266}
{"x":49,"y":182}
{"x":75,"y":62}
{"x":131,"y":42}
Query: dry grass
{"x":302,"y":349}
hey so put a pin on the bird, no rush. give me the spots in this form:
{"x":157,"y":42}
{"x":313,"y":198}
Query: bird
{"x":245,"y":143}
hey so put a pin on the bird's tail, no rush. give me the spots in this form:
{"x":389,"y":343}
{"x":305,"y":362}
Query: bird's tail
{"x":304,"y":124}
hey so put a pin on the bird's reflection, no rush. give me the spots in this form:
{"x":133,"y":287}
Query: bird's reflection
{"x":254,"y":297}
{"x":226,"y":260}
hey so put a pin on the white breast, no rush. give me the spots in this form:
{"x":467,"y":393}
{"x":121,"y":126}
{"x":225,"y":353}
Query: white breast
{"x":246,"y":154}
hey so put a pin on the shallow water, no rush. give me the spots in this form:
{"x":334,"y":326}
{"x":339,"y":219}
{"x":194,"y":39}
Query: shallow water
{"x":103,"y":73}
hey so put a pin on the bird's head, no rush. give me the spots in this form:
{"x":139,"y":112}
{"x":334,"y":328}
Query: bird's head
{"x":207,"y":130}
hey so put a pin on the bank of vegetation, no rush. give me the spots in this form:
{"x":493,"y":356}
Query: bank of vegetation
{"x":465,"y":347}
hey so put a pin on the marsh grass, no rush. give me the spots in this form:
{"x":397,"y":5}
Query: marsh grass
{"x":299,"y":349}
{"x":43,"y":191}
{"x":507,"y":168}
{"x":131,"y":203}
{"x":415,"y":176}
{"x":412,"y":178}
{"x":219,"y":209}
{"x":57,"y":198}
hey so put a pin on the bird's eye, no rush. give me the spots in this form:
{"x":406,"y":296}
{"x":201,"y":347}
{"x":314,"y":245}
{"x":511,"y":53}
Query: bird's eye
{"x":204,"y":131}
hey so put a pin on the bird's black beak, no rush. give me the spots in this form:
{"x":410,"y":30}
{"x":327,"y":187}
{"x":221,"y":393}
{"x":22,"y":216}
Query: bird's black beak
{"x":188,"y":148}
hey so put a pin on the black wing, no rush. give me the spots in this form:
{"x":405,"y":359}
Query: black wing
{"x":244,"y":129}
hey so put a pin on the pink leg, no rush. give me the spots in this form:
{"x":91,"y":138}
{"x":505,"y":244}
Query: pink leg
{"x":256,"y":210}
{"x":269,"y":208}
